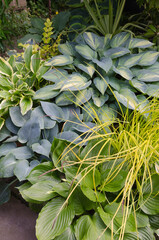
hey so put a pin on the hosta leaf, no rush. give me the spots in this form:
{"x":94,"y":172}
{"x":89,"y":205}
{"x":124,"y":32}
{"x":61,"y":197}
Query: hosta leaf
{"x":116,"y":52}
{"x":153,"y":90}
{"x":101,"y":84}
{"x":65,"y":98}
{"x":22,"y":152}
{"x":46,"y":93}
{"x":53,"y":111}
{"x":17,"y":118}
{"x":5,"y":67}
{"x":60,"y":60}
{"x":2,"y":121}
{"x":124,"y":72}
{"x":106,"y":114}
{"x":89,"y":228}
{"x":66,"y":48}
{"x":86,"y":52}
{"x":4,"y":133}
{"x":149,"y":204}
{"x":5,"y":192}
{"x":6,"y":148}
{"x":55,"y":75}
{"x":43,"y":147}
{"x":27,"y":56}
{"x":148,"y":58}
{"x":70,"y":136}
{"x":147,"y":76}
{"x":154,"y":221}
{"x":83,"y":96}
{"x":35,"y":62}
{"x":119,"y":39}
{"x":105,"y":63}
{"x":139,"y":43}
{"x":5,"y":82}
{"x":141,"y":86}
{"x":99,"y":100}
{"x":89,"y":69}
{"x":7,"y":165}
{"x":41,"y":71}
{"x":93,"y":40}
{"x":130,"y":60}
{"x":26,"y":104}
{"x":54,"y":219}
{"x":68,"y":234}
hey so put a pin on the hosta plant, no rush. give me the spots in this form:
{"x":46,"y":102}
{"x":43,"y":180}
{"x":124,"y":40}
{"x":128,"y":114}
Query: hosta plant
{"x":107,"y":189}
{"x":103,"y":72}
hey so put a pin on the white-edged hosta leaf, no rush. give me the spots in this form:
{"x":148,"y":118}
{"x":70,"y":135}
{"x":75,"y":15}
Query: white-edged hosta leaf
{"x":45,"y":93}
{"x":148,"y":58}
{"x":139,"y":43}
{"x":26,"y":104}
{"x":119,"y":39}
{"x":5,"y":67}
{"x":7,"y":165}
{"x":105,"y":63}
{"x":141,"y":86}
{"x":35,"y":62}
{"x":93,"y":40}
{"x":27,"y":56}
{"x":66,"y":49}
{"x":99,"y":100}
{"x":89,"y":69}
{"x":53,"y":111}
{"x":60,"y":60}
{"x":124,"y":72}
{"x":90,"y":228}
{"x":54,"y":219}
{"x":86,"y":52}
{"x":147,"y":76}
{"x":42,"y":148}
{"x":55,"y":75}
{"x":101,"y":84}
{"x":130,"y":60}
{"x":116,"y":52}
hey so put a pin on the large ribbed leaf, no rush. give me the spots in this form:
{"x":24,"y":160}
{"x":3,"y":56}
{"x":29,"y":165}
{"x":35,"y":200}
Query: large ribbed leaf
{"x":105,"y":63}
{"x":101,"y":84}
{"x":86,"y":52}
{"x":22,"y":152}
{"x":83,"y":96}
{"x":119,"y":39}
{"x":124,"y":72}
{"x":60,"y":60}
{"x":93,"y":40}
{"x":5,"y":148}
{"x":148,"y":58}
{"x":106,"y":114}
{"x":116,"y":52}
{"x":54,"y":219}
{"x":68,"y":234}
{"x":90,"y":228}
{"x":149,"y":204}
{"x":139,"y":43}
{"x":147,"y":76}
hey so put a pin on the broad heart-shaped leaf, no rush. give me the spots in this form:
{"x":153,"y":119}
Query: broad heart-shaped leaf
{"x":147,"y":76}
{"x":116,"y":52}
{"x":7,"y":165}
{"x":89,"y":69}
{"x":130,"y":60}
{"x":119,"y":40}
{"x":41,"y":191}
{"x":30,"y":132}
{"x":148,"y":58}
{"x":22,"y":152}
{"x":26,"y":104}
{"x":141,"y":86}
{"x":23,"y":187}
{"x":54,"y":219}
{"x":22,"y":168}
{"x":83,"y":96}
{"x":124,"y":72}
{"x":60,"y":60}
{"x":127,"y":98}
{"x":5,"y":67}
{"x":27,"y":56}
{"x":53,"y":111}
{"x":46,"y":93}
{"x":70,"y":136}
{"x":65,"y":98}
{"x":145,"y":233}
{"x":4,"y":133}
{"x":106,"y":114}
{"x":5,"y":192}
{"x":55,"y":75}
{"x":66,"y":48}
{"x":86,"y":52}
{"x":93,"y":40}
{"x":99,"y":100}
{"x":6,"y":148}
{"x":35,"y":62}
{"x":139,"y":43}
{"x":149,"y":204}
{"x":75,"y":82}
{"x":114,"y":214}
{"x":90,"y":228}
{"x":17,"y":118}
{"x":101,"y":84}
{"x":105,"y":63}
{"x":68,"y":234}
{"x":153,"y":89}
{"x":42,"y":148}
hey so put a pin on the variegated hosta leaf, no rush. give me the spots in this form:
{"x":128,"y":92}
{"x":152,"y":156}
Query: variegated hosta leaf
{"x":99,"y":100}
{"x":105,"y":63}
{"x":35,"y":62}
{"x":101,"y":84}
{"x":119,"y":39}
{"x":27,"y":56}
{"x":139,"y":43}
{"x":154,"y":67}
{"x":124,"y":72}
{"x":83,"y":96}
{"x":147,"y":76}
{"x":60,"y":60}
{"x":141,"y":86}
{"x":66,"y":49}
{"x":86,"y":52}
{"x":143,"y":104}
{"x":153,"y":90}
{"x":116,"y":52}
{"x":26,"y":104}
{"x":130,"y":60}
{"x":55,"y":75}
{"x":65,"y":98}
{"x":93,"y":40}
{"x":107,"y":114}
{"x":5,"y":67}
{"x":46,"y":92}
{"x":89,"y":69}
{"x":148,"y":58}
{"x":54,"y":219}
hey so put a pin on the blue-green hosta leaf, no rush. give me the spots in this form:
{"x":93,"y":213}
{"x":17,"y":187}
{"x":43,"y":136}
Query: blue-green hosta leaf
{"x":65,"y":98}
{"x":139,"y":43}
{"x":153,"y":90}
{"x":83,"y":96}
{"x":99,"y":100}
{"x":41,"y":71}
{"x":114,"y":83}
{"x":53,"y":111}
{"x":4,"y":133}
{"x":107,"y":114}
{"x":5,"y":192}
{"x":86,"y":52}
{"x":130,"y":60}
{"x":141,"y":86}
{"x":75,"y":82}
{"x":119,"y":40}
{"x":5,"y":67}
{"x":101,"y":84}
{"x":124,"y":72}
{"x":35,"y":62}
{"x":69,"y":136}
{"x":10,"y":126}
{"x":105,"y":63}
{"x":147,"y":76}
{"x":42,"y":148}
{"x":54,"y":219}
{"x":93,"y":40}
{"x":89,"y":69}
{"x":66,"y":49}
{"x":7,"y":165}
{"x":154,"y":67}
{"x":60,"y":60}
{"x":116,"y":52}
{"x":127,"y":98}
{"x":46,"y":93}
{"x":26,"y":104}
{"x":89,"y":228}
{"x":22,"y":152}
{"x":6,"y":148}
{"x":55,"y":75}
{"x":17,"y":118}
{"x":148,"y":58}
{"x":68,"y":234}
